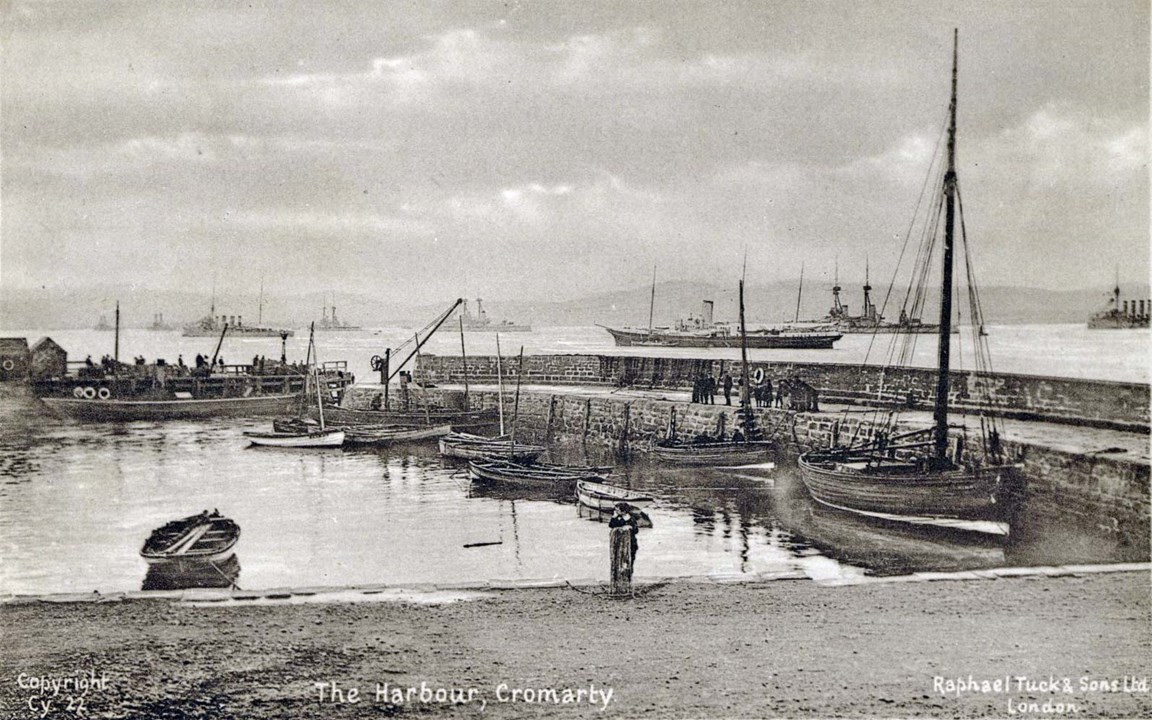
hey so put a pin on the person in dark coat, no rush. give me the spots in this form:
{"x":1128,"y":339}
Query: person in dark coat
{"x":696,"y":388}
{"x":767,"y":392}
{"x":624,"y":516}
{"x":709,"y":390}
{"x":727,"y":380}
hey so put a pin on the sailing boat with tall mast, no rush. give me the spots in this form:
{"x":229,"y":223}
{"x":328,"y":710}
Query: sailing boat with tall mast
{"x":321,"y":437}
{"x":747,"y":447}
{"x":897,"y":474}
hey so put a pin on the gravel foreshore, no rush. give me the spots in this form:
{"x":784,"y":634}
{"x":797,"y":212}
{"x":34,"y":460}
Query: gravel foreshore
{"x":1077,"y":646}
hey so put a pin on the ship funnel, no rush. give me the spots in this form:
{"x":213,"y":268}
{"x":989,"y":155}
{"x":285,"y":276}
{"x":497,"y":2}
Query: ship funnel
{"x":706,"y":312}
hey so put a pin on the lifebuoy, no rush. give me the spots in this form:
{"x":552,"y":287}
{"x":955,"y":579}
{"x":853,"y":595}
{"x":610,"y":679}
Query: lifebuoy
{"x":89,"y":392}
{"x":104,"y":393}
{"x":8,"y":364}
{"x":77,"y":392}
{"x":758,"y":376}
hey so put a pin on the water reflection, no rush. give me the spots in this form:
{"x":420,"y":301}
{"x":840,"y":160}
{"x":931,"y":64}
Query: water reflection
{"x":187,"y":575}
{"x":403,"y":515}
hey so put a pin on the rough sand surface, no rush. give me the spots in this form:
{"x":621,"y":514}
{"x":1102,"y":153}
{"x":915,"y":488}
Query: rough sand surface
{"x":780,"y":649}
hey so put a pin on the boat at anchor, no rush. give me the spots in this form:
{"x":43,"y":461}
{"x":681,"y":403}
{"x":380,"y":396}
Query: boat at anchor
{"x":922,"y":473}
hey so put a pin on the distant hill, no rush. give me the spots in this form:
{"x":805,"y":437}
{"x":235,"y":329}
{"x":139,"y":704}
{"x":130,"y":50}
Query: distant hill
{"x":48,"y":308}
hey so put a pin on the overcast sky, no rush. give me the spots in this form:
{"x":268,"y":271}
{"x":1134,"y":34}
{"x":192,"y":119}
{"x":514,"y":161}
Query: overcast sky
{"x":425,"y":150}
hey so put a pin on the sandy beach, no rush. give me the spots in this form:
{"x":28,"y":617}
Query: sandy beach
{"x":1038,"y":646}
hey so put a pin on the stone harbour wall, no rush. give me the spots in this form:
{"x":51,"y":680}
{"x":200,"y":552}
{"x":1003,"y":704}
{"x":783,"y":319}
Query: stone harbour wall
{"x":1094,"y":403}
{"x":1107,"y":496}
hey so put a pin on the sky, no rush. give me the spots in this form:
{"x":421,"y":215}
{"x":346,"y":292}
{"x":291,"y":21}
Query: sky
{"x":550,"y":150}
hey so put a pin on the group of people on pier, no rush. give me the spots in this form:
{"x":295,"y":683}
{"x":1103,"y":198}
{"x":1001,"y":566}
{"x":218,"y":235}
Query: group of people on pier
{"x":791,"y":393}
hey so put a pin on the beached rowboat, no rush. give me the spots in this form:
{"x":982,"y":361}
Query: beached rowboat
{"x":203,"y":538}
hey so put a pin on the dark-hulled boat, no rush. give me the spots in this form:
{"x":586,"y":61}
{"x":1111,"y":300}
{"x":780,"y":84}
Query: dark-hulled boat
{"x":207,"y":537}
{"x":894,"y":474}
{"x":458,"y":419}
{"x":465,"y":446}
{"x":511,"y":473}
{"x":717,"y":453}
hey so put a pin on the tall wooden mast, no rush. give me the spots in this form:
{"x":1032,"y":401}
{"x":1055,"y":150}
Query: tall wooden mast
{"x":652,"y":302}
{"x":940,"y":414}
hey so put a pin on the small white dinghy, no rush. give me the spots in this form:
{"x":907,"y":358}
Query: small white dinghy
{"x":317,"y":439}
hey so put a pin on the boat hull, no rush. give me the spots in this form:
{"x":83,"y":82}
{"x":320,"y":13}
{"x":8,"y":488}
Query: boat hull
{"x":705,"y":339}
{"x":961,"y":494}
{"x":725,"y":453}
{"x":113,"y":409}
{"x":367,"y":435}
{"x":495,"y":328}
{"x":1117,"y":321}
{"x":477,"y":448}
{"x":458,"y":419}
{"x":321,"y":439}
{"x":512,"y":474}
{"x":196,"y":539}
{"x":603,"y":497}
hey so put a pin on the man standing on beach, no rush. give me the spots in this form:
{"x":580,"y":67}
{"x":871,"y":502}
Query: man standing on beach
{"x":727,"y":380}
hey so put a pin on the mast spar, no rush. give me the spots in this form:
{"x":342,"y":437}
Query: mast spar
{"x":940,"y":411}
{"x":652,"y":302}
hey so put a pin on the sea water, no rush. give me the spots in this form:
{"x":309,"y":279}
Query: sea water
{"x":78,"y":500}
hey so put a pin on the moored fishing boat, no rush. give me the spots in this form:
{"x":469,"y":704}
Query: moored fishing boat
{"x":743,"y":448}
{"x":604,"y":497}
{"x":510,"y":473}
{"x":466,"y":446}
{"x":116,"y":391}
{"x":390,"y":434}
{"x":891,"y":472}
{"x":719,"y":452}
{"x":458,"y":419}
{"x":203,"y":538}
{"x":303,"y":436}
{"x":114,"y":408}
{"x":315,"y":439}
{"x":366,"y":434}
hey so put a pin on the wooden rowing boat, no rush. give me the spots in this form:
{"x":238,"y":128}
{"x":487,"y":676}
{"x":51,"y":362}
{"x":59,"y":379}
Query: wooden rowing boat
{"x":316,"y":439}
{"x":731,"y":452}
{"x":510,"y":473}
{"x":605,"y":497}
{"x":466,"y":446}
{"x":365,"y":434}
{"x":203,"y":538}
{"x":458,"y":419}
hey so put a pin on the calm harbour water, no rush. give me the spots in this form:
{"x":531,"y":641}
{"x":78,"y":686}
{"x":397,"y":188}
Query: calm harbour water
{"x":77,"y":500}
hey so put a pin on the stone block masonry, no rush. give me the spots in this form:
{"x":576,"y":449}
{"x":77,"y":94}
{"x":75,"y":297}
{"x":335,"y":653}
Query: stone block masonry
{"x":1091,"y":403}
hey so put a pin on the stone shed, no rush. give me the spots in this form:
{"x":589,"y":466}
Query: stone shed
{"x":49,"y":360}
{"x":15,"y":359}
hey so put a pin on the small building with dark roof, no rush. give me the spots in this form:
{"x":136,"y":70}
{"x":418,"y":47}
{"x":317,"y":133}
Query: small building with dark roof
{"x":49,"y":360}
{"x":15,"y":360}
